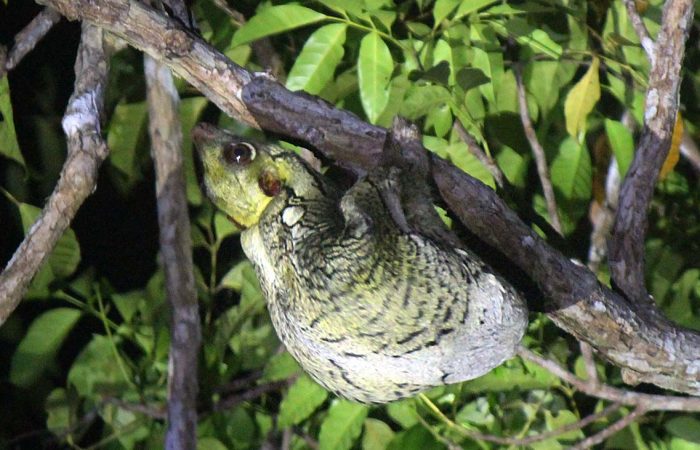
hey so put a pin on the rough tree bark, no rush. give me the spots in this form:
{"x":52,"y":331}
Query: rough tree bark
{"x":176,"y":251}
{"x":86,"y":152}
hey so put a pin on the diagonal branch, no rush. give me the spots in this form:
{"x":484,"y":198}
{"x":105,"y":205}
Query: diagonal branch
{"x":537,"y":151}
{"x":86,"y":151}
{"x":627,"y":243}
{"x":612,"y":429}
{"x":480,"y":154}
{"x":579,"y":304}
{"x":594,"y":388}
{"x":640,"y":29}
{"x":30,"y":35}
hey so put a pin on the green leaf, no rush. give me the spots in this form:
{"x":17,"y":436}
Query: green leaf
{"x":418,"y":29}
{"x":581,"y":100}
{"x":470,"y":77}
{"x":342,"y":426}
{"x":477,"y":412}
{"x":421,"y":99}
{"x":223,"y":227}
{"x":460,"y":156}
{"x":343,"y":6}
{"x":38,"y":347}
{"x":9,"y":146}
{"x":243,"y":279}
{"x":377,"y":435}
{"x":439,"y":74}
{"x":443,"y":51}
{"x":511,"y":375}
{"x":571,"y":171}
{"x":416,"y":438}
{"x":301,"y":400}
{"x":374,"y":69}
{"x":514,"y":166}
{"x":622,"y":144}
{"x":403,"y":412}
{"x":274,"y":20}
{"x":684,"y":427}
{"x":96,"y":370}
{"x":469,"y":6}
{"x":491,"y":64}
{"x":280,"y":367}
{"x":524,"y":33}
{"x":384,"y":17}
{"x":441,"y":119}
{"x":190,"y":110}
{"x":664,"y":265}
{"x":210,"y":443}
{"x":124,"y":136}
{"x":544,"y":80}
{"x":238,"y":427}
{"x":442,"y":9}
{"x":58,"y":411}
{"x":316,"y":64}
{"x":235,"y":277}
{"x":65,"y":257}
{"x":681,"y":307}
{"x":560,"y":419}
{"x":397,"y":93}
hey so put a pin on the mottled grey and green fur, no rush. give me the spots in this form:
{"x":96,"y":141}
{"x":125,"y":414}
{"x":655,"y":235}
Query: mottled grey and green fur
{"x":371,"y":312}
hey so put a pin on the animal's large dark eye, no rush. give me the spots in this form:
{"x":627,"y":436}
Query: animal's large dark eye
{"x":239,"y":153}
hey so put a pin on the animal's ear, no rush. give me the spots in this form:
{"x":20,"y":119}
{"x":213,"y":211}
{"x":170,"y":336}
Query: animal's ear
{"x":270,"y":183}
{"x":358,"y":222}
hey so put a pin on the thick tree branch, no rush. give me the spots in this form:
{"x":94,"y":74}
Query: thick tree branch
{"x":627,"y":243}
{"x":166,"y":39}
{"x":176,"y":251}
{"x":577,"y":301}
{"x":86,"y":151}
{"x":27,"y":39}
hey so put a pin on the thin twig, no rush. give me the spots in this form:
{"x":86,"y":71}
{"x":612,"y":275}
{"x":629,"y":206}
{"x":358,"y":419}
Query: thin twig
{"x":86,"y":151}
{"x":154,"y":412}
{"x":602,"y":216}
{"x":640,"y":29}
{"x":689,"y":149}
{"x":537,"y":152}
{"x":287,"y":435}
{"x":579,"y":424}
{"x":251,"y":394}
{"x":264,"y":52}
{"x":30,"y":35}
{"x":612,"y":429}
{"x":475,"y":149}
{"x":310,"y":441}
{"x":238,"y":383}
{"x":649,"y":401}
{"x":589,"y":362}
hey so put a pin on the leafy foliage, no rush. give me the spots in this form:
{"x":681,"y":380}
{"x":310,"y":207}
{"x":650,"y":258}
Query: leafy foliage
{"x":88,"y":349}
